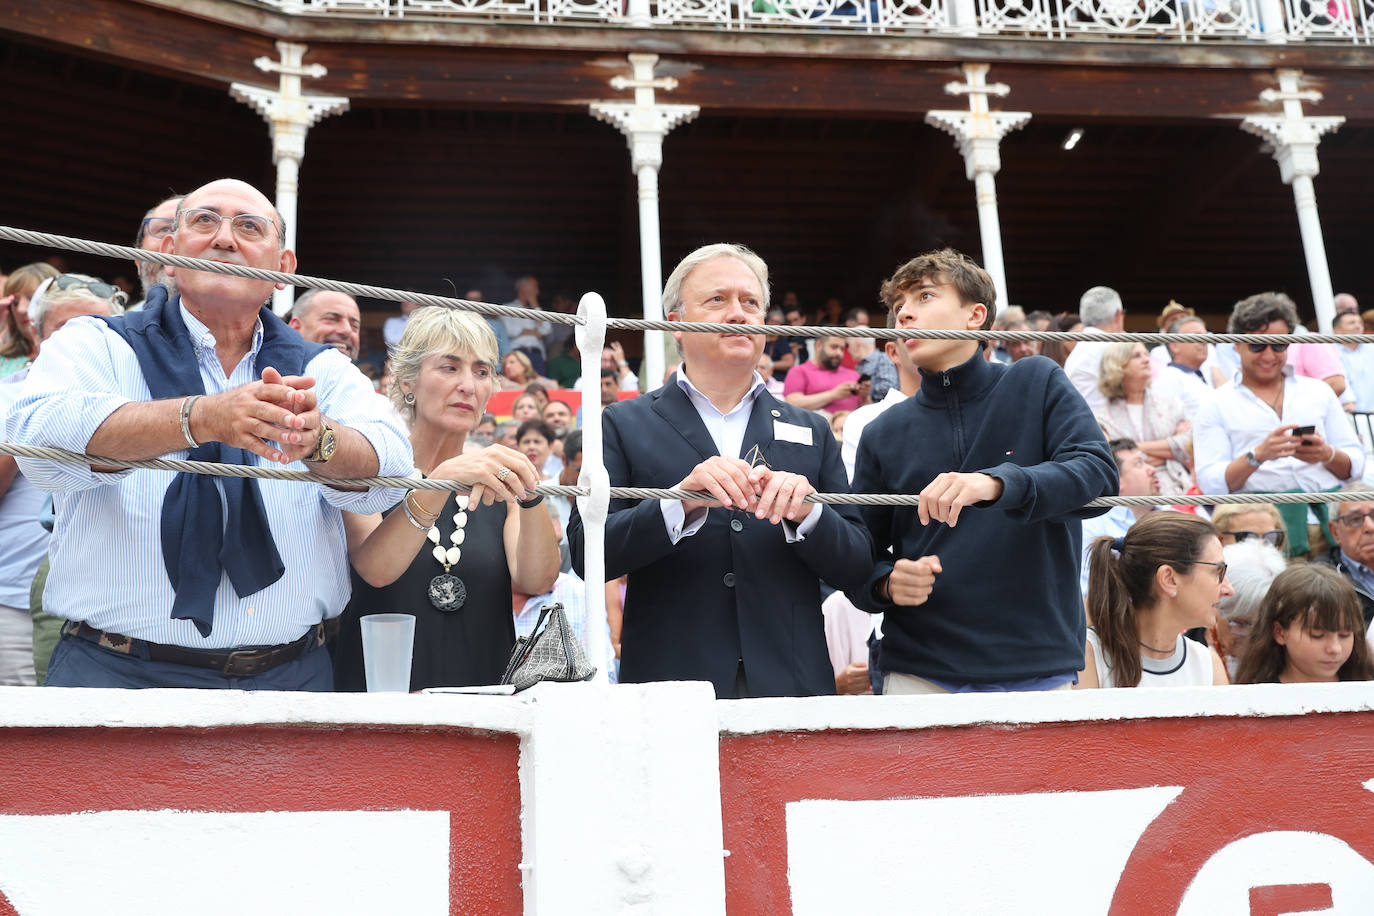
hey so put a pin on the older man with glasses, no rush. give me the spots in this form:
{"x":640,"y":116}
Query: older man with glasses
{"x":181,"y":580}
{"x":156,"y":225}
{"x":1272,"y":431}
{"x":1352,"y":526}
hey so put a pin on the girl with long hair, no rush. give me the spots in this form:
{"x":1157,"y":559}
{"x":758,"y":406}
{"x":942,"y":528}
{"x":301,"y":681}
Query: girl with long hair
{"x":1310,"y":629}
{"x":1164,"y":577}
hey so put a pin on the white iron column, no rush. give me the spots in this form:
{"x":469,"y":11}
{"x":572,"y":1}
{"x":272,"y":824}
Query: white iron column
{"x":979,"y":133}
{"x":290,"y":114}
{"x":590,"y":338}
{"x":645,"y":123}
{"x":1293,"y":138}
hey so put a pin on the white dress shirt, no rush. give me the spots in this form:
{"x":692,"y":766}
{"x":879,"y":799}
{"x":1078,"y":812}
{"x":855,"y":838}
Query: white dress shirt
{"x":525,"y":333}
{"x":1084,"y":366}
{"x":727,"y":432}
{"x":1359,"y":374}
{"x":1184,"y":386}
{"x":106,"y":549}
{"x":858,"y":419}
{"x":1237,"y":420}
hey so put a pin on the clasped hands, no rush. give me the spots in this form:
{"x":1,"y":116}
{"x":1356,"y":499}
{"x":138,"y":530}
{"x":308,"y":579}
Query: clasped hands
{"x":277,"y":409}
{"x":770,"y":494}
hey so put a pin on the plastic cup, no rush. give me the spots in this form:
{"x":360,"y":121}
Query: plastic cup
{"x":388,"y":642}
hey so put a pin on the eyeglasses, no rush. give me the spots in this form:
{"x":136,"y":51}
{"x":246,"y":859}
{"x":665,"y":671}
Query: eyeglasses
{"x":1355,"y":520}
{"x":98,"y":288}
{"x":247,"y":227}
{"x":1221,"y":568}
{"x":1260,"y":348}
{"x":1240,"y":626}
{"x":157,"y":227}
{"x":1275,"y":538}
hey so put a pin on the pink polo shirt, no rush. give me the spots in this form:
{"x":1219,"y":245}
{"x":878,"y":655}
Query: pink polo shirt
{"x":809,"y":378}
{"x":1315,"y":360}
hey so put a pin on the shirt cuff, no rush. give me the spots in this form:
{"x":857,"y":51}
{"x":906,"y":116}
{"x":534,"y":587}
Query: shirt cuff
{"x":797,"y":531}
{"x":676,"y":520}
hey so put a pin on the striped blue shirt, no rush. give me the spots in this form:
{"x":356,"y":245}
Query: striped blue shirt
{"x":107,"y":566}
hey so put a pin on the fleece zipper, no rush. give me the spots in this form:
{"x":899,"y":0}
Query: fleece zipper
{"x":956,"y":418}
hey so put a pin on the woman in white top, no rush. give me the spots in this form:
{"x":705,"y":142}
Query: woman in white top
{"x":1166,"y":576}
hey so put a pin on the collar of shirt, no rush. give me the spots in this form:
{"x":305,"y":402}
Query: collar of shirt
{"x":726,"y":429}
{"x":1363,"y":575}
{"x":1238,"y":377}
{"x":1188,"y":369}
{"x":204,"y":342}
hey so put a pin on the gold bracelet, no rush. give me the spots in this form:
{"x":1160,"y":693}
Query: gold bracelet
{"x":419,"y":510}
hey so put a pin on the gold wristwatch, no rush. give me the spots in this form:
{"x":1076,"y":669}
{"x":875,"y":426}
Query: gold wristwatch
{"x":325,"y":445}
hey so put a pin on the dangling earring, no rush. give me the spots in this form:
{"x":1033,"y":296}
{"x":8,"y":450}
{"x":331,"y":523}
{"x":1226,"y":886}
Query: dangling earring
{"x":409,"y":399}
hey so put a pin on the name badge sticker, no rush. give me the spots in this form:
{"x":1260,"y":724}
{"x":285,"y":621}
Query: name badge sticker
{"x":791,"y":432}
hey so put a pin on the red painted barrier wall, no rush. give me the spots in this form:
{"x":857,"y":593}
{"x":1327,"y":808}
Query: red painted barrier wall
{"x":249,"y":769}
{"x":1241,"y":776}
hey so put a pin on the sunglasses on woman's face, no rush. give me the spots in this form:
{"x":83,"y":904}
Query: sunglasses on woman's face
{"x":1273,"y":538}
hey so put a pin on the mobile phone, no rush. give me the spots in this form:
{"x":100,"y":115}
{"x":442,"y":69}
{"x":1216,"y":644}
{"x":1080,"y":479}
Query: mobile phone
{"x":1303,"y":431}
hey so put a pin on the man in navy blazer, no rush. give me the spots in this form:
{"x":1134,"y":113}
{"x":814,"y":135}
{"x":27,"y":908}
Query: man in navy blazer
{"x":725,"y":590}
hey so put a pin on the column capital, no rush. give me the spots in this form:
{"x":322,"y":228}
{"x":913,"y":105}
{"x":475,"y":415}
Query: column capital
{"x":1291,"y":137}
{"x":979,"y":135}
{"x":288,"y":111}
{"x":645,"y":121}
{"x":979,"y":130}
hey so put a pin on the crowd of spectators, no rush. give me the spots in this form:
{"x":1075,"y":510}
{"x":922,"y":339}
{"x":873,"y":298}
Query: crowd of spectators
{"x":1169,"y":595}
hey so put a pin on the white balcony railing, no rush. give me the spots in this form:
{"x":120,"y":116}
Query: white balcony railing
{"x":1340,"y":21}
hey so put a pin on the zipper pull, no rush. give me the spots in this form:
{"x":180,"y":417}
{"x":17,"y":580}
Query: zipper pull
{"x":944,"y":379}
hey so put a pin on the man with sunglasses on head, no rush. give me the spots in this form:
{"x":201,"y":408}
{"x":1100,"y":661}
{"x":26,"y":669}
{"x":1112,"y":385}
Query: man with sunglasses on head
{"x":156,"y":225}
{"x":1273,"y":431}
{"x":1352,"y":525}
{"x":182,"y":580}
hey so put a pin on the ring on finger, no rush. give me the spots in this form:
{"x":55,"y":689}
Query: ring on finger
{"x":502,"y":474}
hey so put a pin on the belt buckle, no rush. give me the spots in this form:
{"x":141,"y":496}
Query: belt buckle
{"x":229,"y":660}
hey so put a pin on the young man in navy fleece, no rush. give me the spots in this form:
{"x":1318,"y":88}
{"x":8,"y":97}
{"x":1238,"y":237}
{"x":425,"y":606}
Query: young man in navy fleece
{"x":980,"y":591}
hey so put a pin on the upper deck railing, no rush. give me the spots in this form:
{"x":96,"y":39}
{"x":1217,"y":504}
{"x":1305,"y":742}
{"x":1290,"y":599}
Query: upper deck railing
{"x":1275,"y":21}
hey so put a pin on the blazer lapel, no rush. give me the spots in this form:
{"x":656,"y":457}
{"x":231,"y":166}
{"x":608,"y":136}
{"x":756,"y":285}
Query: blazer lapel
{"x":759,"y":432}
{"x":676,"y":408}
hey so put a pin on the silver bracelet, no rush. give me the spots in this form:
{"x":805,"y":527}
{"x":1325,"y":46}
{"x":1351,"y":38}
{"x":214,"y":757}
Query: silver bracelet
{"x":186,"y":419}
{"x":410,"y":516}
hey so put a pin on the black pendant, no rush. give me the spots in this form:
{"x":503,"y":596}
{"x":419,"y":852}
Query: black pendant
{"x":447,"y":593}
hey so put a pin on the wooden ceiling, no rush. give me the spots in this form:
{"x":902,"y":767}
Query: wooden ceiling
{"x":422,"y":197}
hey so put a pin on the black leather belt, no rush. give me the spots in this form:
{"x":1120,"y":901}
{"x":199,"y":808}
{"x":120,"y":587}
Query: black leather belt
{"x":229,"y":662}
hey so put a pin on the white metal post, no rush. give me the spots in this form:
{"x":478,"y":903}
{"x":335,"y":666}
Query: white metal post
{"x":638,"y":14}
{"x":1272,"y":21}
{"x":964,"y":16}
{"x":979,"y":132}
{"x":590,"y":338}
{"x":645,"y":123}
{"x":651,"y":276}
{"x":290,"y":114}
{"x":1293,"y":138}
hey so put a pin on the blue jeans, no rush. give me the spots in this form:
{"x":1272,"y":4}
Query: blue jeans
{"x":78,"y":663}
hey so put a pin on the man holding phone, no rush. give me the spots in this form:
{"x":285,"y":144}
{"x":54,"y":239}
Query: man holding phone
{"x":1272,"y":431}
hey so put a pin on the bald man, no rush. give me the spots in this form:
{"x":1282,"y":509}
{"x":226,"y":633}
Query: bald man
{"x":324,"y":316}
{"x":181,"y":580}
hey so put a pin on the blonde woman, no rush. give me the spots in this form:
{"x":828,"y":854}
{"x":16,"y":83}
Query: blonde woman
{"x":449,"y":561}
{"x":1159,"y":425}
